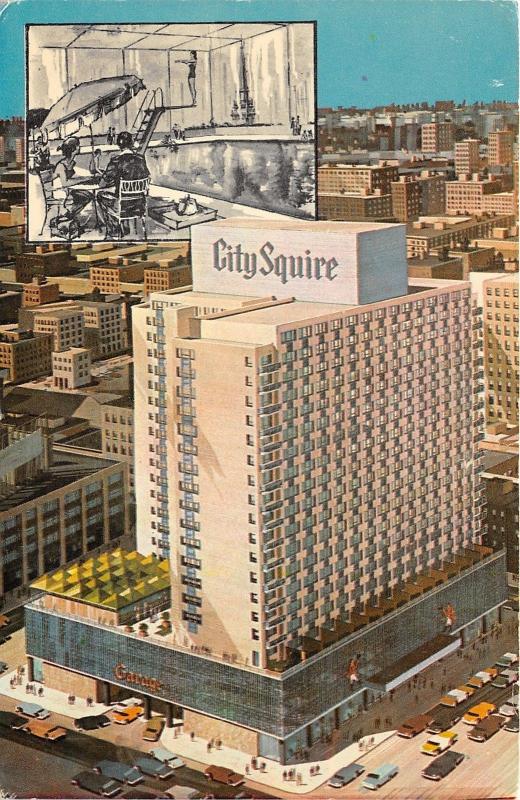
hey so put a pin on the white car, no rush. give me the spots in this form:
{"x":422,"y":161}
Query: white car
{"x":167,"y":757}
{"x":507,"y":660}
{"x":510,"y":707}
{"x":124,"y":704}
{"x":33,"y":710}
{"x":454,"y":697}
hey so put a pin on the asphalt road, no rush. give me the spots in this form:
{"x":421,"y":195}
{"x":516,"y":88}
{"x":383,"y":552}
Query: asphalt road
{"x":31,"y":767}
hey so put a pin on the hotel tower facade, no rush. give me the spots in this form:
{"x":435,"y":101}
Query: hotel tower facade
{"x":307,"y":458}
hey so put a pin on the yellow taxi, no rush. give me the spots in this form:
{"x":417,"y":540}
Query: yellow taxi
{"x":127,"y":715}
{"x":477,"y":713}
{"x":439,"y":743}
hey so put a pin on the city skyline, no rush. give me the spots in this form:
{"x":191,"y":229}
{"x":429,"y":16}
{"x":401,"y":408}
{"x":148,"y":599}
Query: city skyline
{"x":386,"y":57}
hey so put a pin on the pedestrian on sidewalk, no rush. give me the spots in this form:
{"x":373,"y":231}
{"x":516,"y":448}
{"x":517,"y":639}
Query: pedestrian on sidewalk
{"x":219,"y":744}
{"x":254,"y":763}
{"x":246,"y":770}
{"x":284,"y":775}
{"x":317,"y":769}
{"x":40,"y":691}
{"x":263,"y":768}
{"x":299,"y":780}
{"x":208,"y":747}
{"x":192,"y":736}
{"x":73,"y":699}
{"x":26,"y":688}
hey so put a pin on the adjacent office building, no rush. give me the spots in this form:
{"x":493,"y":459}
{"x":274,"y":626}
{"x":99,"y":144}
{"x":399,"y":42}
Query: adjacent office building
{"x":500,"y":297}
{"x":356,"y":178}
{"x":71,"y":368}
{"x":55,"y":506}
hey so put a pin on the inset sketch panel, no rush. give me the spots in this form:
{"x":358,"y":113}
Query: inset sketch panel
{"x":144,"y":131}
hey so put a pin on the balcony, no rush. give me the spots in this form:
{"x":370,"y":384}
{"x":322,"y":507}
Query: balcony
{"x":401,"y":595}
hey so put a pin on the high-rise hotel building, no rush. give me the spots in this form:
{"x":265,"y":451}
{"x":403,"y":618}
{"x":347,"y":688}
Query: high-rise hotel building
{"x":306,"y":446}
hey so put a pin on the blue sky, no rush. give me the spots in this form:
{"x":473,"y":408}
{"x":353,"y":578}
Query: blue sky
{"x":370,"y":52}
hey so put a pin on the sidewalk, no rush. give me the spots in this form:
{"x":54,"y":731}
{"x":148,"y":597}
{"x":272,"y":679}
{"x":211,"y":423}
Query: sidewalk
{"x":272,"y":778}
{"x":52,"y":699}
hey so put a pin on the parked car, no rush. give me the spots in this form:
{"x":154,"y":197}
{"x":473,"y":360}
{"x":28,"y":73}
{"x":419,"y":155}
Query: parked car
{"x":443,"y":719}
{"x":479,"y":679}
{"x":150,"y":766}
{"x":346,"y":775}
{"x":44,"y":730}
{"x":124,"y":773}
{"x":8,"y":719}
{"x":507,"y":660}
{"x":477,"y":713}
{"x":380,"y":776}
{"x":506,"y":678}
{"x":153,"y":729}
{"x":493,"y":671}
{"x":468,"y":690}
{"x":487,"y":728}
{"x":442,"y":765}
{"x":92,"y":723}
{"x":122,"y":705}
{"x":4,"y":620}
{"x":139,"y":794}
{"x":182,"y":793}
{"x":127,"y":715}
{"x":33,"y":710}
{"x":3,"y":667}
{"x":510,"y":707}
{"x":512,"y":724}
{"x":167,"y":757}
{"x":453,"y":698}
{"x":4,"y":639}
{"x":439,"y":743}
{"x":96,"y":784}
{"x":411,"y":727}
{"x":224,"y":775}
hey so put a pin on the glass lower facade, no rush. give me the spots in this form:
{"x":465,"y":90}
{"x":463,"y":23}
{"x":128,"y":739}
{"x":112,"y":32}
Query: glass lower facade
{"x":307,"y":695}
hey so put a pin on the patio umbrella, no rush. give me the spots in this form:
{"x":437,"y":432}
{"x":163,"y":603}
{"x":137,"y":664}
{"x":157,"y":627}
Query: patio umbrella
{"x":89,"y":101}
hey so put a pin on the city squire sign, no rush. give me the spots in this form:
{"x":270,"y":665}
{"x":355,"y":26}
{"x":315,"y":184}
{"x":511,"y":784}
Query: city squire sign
{"x":268,"y":262}
{"x":326,"y":262}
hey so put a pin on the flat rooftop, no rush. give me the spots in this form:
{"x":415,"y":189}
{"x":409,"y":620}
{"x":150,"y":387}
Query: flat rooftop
{"x":322,"y":226}
{"x":67,"y":469}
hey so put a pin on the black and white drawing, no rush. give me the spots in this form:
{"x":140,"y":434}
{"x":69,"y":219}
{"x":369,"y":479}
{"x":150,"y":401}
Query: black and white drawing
{"x":142,"y":131}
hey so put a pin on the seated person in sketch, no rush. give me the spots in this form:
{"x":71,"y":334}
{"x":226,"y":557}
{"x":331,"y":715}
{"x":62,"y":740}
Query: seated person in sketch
{"x":42,"y":155}
{"x":125,"y":165}
{"x":66,"y":174}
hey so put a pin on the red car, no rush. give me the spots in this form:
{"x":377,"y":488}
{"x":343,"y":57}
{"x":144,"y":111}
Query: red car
{"x":411,"y":727}
{"x":224,"y":775}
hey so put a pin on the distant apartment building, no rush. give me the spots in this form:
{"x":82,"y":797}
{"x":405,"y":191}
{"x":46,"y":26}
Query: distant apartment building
{"x":10,"y":302}
{"x":160,"y":279}
{"x":467,"y":157}
{"x":55,"y":507}
{"x":356,"y":178}
{"x":39,"y":292}
{"x":500,"y":203}
{"x":466,"y":195}
{"x":45,"y":261}
{"x":437,"y":137}
{"x":108,"y":278}
{"x":432,"y":232}
{"x":24,"y":354}
{"x":66,"y":325}
{"x":2,"y":149}
{"x":355,"y":206}
{"x":105,"y":328}
{"x":500,"y":148}
{"x":19,"y":147}
{"x":71,"y":368}
{"x":501,"y":366}
{"x":117,"y":433}
{"x":433,"y":192}
{"x":406,"y":199}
